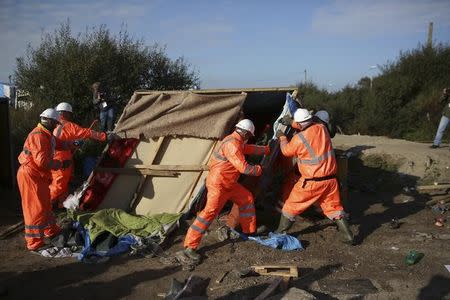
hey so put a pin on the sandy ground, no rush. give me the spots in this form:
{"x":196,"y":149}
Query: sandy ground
{"x":328,"y":268}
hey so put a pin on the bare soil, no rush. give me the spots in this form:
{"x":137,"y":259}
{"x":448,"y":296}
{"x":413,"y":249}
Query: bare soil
{"x":377,"y":195}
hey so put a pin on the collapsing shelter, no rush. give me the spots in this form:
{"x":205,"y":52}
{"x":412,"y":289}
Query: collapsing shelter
{"x":160,"y":164}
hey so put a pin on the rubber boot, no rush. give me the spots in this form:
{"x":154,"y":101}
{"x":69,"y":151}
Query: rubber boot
{"x":192,"y":254}
{"x":285,"y":225}
{"x":346,"y":231}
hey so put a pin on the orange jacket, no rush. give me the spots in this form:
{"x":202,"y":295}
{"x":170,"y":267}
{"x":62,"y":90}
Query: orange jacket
{"x":38,"y":151}
{"x":315,"y":154}
{"x":69,"y":131}
{"x":228,"y":162}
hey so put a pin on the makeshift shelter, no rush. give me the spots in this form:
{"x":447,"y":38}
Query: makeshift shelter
{"x":168,"y":137}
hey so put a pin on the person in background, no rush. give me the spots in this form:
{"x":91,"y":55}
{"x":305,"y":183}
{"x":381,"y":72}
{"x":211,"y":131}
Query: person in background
{"x":445,"y":119}
{"x":103,"y":101}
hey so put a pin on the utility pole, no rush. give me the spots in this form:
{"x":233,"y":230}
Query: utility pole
{"x":430,"y":35}
{"x":305,"y":75}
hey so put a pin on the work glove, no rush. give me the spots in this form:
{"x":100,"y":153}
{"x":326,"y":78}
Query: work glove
{"x":111,"y":136}
{"x":279,"y":134}
{"x":66,"y":163}
{"x":78,"y":143}
{"x":286,"y":120}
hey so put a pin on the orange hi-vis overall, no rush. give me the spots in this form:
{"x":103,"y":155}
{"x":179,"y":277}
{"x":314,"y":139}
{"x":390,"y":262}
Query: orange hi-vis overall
{"x":225,"y":167}
{"x":317,"y":165}
{"x":33,"y":179}
{"x":68,"y":131}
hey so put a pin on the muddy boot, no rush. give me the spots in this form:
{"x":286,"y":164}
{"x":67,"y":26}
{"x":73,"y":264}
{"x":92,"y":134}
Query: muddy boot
{"x":192,"y":254}
{"x":285,"y":225}
{"x":346,"y":231}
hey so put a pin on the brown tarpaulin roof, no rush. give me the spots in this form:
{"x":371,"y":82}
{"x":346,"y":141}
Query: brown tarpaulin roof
{"x":154,"y":114}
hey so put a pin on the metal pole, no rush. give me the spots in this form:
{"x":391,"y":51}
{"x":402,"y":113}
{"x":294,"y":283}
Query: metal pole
{"x":305,"y":76}
{"x":430,"y":35}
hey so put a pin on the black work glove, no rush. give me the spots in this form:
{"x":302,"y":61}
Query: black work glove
{"x":279,"y":133}
{"x":286,"y":120}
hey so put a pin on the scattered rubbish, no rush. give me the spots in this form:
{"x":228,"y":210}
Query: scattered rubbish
{"x":395,"y":248}
{"x":447,"y":267}
{"x":55,"y":252}
{"x":439,"y":222}
{"x":221,"y":277}
{"x":421,"y":236}
{"x":392,"y":267}
{"x":277,"y":270}
{"x":244,"y":272}
{"x":442,"y":236}
{"x":440,"y":208}
{"x":193,"y":286}
{"x":413,"y":257}
{"x":279,"y":241}
{"x":394,"y":224}
{"x":73,"y":200}
{"x":347,"y":286}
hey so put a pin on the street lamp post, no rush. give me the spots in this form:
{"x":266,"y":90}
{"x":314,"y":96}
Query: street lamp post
{"x":371,"y":77}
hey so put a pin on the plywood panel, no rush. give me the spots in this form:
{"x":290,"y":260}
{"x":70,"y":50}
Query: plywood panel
{"x":121,"y":192}
{"x":167,"y":194}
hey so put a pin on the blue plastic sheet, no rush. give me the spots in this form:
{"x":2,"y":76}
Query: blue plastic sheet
{"x":279,"y":241}
{"x":123,"y":245}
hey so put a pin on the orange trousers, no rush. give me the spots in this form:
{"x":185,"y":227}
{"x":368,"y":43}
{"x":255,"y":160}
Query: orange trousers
{"x":217,"y":196}
{"x":324,"y":193}
{"x":59,"y":188}
{"x":37,"y":210}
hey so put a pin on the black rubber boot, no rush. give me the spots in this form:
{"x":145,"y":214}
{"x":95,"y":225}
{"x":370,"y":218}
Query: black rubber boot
{"x":192,"y":254}
{"x":346,"y":231}
{"x":285,"y":225}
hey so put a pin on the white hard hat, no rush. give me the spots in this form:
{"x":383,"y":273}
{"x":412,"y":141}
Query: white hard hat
{"x":50,"y":113}
{"x":246,"y":124}
{"x":302,"y":115}
{"x":64,"y":106}
{"x":323,"y":115}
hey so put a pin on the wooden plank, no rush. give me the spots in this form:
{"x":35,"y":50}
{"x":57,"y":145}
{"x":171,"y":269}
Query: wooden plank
{"x":131,"y":171}
{"x":180,"y":168}
{"x":433,"y":187}
{"x":270,"y":289}
{"x":277,"y":270}
{"x":11,"y":230}
{"x":219,"y":91}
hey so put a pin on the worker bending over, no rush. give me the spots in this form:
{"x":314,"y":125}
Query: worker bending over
{"x":317,"y":166}
{"x":225,"y":167}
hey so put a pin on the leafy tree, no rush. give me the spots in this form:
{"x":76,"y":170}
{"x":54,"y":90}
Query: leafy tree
{"x":64,"y":66}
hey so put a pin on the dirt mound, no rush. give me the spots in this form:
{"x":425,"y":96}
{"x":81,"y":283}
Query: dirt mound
{"x":409,"y":158}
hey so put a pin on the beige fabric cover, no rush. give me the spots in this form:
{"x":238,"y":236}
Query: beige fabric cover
{"x":155,"y":114}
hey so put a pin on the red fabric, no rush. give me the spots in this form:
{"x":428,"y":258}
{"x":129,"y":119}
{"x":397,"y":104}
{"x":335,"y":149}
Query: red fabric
{"x":119,"y":151}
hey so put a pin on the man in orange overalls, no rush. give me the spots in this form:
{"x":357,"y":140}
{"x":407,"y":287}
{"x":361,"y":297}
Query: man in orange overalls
{"x":33,"y":179}
{"x":317,"y":166}
{"x":70,"y":132}
{"x":225,"y":167}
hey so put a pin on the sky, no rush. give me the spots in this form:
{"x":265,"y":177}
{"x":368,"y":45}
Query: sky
{"x":236,"y":44}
